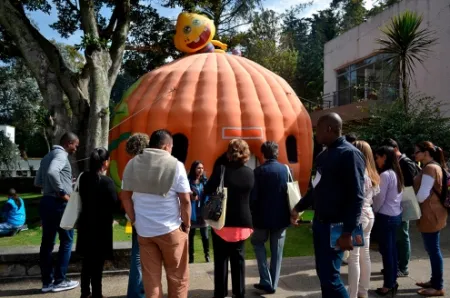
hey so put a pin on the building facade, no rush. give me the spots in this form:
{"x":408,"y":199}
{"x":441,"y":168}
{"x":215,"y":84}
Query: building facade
{"x":354,"y":71}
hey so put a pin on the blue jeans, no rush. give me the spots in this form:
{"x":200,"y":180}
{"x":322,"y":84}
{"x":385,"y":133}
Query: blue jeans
{"x":431,"y":242}
{"x":6,"y":229}
{"x":51,"y":210}
{"x":135,"y":285}
{"x":328,"y":262}
{"x":269,"y":277}
{"x":387,"y":241}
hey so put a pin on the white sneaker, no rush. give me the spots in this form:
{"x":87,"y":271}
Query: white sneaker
{"x":47,"y":288}
{"x":65,"y":285}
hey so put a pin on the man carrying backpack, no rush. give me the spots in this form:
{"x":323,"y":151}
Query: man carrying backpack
{"x":409,"y":170}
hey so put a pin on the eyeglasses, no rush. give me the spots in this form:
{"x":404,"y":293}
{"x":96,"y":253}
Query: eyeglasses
{"x":417,"y":152}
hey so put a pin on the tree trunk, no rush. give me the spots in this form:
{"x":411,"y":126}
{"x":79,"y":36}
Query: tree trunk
{"x":44,"y":134}
{"x":404,"y":85}
{"x":85,"y":111}
{"x":99,"y":92}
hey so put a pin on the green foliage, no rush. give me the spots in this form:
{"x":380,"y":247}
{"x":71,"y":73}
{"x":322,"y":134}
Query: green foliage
{"x":228,"y":15}
{"x":90,"y":43}
{"x":308,"y":37}
{"x":21,"y":105}
{"x":9,"y":152}
{"x":149,"y":31}
{"x":380,"y":6}
{"x":407,"y":44}
{"x":261,"y":45}
{"x":268,"y":54}
{"x":353,"y":13}
{"x":422,"y":122}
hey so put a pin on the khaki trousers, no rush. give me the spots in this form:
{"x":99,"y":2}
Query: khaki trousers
{"x":171,"y":250}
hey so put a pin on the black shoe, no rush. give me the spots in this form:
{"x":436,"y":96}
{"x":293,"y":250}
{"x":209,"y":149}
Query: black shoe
{"x":263,"y":288}
{"x":392,"y":292}
{"x":207,"y":258}
{"x":191,"y":260}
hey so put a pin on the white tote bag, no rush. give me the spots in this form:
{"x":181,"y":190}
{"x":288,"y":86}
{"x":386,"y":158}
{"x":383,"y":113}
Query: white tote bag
{"x":410,"y":205}
{"x":293,"y":190}
{"x":218,"y":225}
{"x":73,"y":208}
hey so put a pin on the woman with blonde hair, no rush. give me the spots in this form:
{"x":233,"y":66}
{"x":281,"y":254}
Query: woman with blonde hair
{"x":359,"y":266}
{"x":228,"y":242}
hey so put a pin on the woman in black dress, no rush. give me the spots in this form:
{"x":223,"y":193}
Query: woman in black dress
{"x":95,"y":223}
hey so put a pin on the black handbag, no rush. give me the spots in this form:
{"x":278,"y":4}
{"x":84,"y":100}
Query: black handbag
{"x":213,"y":208}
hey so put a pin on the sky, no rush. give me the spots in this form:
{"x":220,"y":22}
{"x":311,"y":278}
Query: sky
{"x":44,"y":20}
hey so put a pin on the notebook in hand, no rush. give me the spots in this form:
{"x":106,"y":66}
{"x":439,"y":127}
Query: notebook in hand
{"x":336,"y":232}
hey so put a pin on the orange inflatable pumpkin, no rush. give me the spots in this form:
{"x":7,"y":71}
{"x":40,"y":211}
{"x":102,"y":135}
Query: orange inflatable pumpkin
{"x":206,"y":100}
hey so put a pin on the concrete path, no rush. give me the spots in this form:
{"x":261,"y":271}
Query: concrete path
{"x":298,"y":278}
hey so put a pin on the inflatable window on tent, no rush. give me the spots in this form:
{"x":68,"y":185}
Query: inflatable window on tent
{"x":208,"y":98}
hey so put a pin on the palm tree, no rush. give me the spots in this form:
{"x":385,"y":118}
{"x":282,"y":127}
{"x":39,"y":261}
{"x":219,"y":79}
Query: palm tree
{"x":407,"y":44}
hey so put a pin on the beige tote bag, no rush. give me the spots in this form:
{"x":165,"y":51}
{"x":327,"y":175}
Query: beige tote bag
{"x":293,"y":190}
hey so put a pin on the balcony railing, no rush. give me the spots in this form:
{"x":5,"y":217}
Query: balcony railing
{"x":377,"y":91}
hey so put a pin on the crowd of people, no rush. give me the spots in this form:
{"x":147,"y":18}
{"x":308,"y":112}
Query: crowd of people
{"x":353,"y":186}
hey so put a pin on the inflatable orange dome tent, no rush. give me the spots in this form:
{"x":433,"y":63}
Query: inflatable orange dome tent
{"x":206,"y":100}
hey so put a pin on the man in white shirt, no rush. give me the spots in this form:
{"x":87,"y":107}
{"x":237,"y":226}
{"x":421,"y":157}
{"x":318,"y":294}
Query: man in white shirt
{"x":156,"y":199}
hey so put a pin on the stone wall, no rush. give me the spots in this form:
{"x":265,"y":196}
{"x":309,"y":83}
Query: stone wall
{"x":24,"y":261}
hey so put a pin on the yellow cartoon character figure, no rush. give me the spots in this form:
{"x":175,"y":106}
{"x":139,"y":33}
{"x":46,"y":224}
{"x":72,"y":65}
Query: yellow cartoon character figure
{"x":194,"y":34}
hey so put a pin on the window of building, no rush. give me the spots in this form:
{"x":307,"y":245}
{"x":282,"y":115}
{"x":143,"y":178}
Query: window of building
{"x":180,"y":147}
{"x":372,"y":78}
{"x":291,"y":149}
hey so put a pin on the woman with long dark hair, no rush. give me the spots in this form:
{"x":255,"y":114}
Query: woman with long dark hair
{"x":431,"y":190}
{"x":197,"y":180}
{"x":95,"y":223}
{"x":13,"y":213}
{"x":388,"y":215}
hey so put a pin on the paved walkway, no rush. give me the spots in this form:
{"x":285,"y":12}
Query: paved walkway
{"x":298,"y":278}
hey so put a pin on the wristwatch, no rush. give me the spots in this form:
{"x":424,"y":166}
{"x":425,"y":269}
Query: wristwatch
{"x":62,"y":193}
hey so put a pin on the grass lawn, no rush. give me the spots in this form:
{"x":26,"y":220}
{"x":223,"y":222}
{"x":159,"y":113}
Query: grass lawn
{"x":298,"y":239}
{"x":24,"y":196}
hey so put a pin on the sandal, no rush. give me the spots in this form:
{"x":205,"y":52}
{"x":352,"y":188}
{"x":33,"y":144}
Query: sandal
{"x":425,"y":285}
{"x":431,"y":292}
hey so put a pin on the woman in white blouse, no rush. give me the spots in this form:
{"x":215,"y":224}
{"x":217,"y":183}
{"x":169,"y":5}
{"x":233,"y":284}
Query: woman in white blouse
{"x":359,"y":266}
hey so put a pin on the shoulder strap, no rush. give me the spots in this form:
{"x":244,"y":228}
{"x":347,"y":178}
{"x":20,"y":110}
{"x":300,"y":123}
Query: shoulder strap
{"x":290,"y":179}
{"x":222,"y":177}
{"x":77,"y":183}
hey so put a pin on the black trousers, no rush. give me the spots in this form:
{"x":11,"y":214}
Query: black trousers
{"x":235,"y":253}
{"x":205,"y":241}
{"x":91,"y":275}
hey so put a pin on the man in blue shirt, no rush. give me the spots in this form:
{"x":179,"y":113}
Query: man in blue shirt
{"x":337,"y":195}
{"x":270,"y":214}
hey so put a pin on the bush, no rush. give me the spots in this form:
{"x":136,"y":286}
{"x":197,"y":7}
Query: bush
{"x":424,"y":121}
{"x":9,"y":152}
{"x":20,"y":184}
